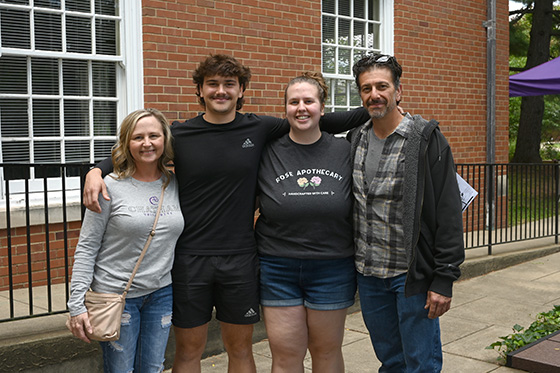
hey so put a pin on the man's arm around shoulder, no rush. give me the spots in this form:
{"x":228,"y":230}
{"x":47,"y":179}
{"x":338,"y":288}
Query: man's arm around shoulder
{"x":94,"y":185}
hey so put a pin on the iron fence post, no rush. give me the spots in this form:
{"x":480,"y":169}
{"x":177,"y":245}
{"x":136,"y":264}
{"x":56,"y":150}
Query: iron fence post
{"x":557,"y":199}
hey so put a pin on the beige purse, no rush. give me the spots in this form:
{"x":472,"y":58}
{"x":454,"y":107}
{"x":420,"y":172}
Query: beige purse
{"x":104,"y":313}
{"x":105,"y":309}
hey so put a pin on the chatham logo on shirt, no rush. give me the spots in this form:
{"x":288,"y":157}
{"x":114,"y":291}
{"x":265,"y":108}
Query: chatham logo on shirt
{"x":247,"y":144}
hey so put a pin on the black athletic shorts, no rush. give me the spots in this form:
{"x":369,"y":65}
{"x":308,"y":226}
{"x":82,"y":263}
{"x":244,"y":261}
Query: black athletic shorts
{"x":230,"y":283}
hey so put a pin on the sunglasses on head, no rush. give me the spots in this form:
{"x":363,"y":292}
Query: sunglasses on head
{"x":383,"y":58}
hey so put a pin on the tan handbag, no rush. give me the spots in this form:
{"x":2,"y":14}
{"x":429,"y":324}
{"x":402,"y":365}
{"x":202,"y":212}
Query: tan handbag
{"x":104,"y":313}
{"x":105,"y":309}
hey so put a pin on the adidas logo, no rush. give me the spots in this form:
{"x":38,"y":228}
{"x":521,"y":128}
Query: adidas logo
{"x":247,"y":144}
{"x":251,"y":311}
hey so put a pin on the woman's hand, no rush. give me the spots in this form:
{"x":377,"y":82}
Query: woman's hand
{"x":78,"y":325}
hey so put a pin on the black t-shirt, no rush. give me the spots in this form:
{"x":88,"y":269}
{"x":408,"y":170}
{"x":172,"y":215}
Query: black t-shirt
{"x":216,"y":167}
{"x":305,"y":194}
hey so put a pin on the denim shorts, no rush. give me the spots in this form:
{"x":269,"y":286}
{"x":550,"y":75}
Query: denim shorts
{"x":318,"y":284}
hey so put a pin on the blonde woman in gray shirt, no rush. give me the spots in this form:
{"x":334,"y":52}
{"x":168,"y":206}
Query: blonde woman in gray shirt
{"x":111,"y":241}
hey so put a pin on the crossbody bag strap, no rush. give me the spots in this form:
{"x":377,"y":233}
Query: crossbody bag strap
{"x":152,"y":234}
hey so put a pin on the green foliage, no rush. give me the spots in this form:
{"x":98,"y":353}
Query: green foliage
{"x":545,"y":324}
{"x":550,"y":151}
{"x":514,"y":106}
{"x":514,"y":114}
{"x":551,"y":119}
{"x":520,"y":28}
{"x":517,"y":61}
{"x":550,"y":130}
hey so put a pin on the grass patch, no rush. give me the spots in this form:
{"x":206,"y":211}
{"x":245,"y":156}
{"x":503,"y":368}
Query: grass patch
{"x":531,"y":194}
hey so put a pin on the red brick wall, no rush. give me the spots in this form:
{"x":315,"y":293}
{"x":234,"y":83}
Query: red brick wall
{"x":442,"y":47}
{"x":37,"y":241}
{"x":276,"y":39}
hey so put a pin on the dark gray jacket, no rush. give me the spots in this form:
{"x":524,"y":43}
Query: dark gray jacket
{"x":432,"y":219}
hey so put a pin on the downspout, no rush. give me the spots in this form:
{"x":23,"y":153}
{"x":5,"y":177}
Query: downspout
{"x":490,"y":25}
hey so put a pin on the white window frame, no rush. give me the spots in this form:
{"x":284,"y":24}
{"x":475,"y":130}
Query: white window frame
{"x":129,"y":96}
{"x":386,"y":41}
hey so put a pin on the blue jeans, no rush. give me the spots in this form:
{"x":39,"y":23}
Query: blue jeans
{"x":403,"y":337}
{"x":145,"y":326}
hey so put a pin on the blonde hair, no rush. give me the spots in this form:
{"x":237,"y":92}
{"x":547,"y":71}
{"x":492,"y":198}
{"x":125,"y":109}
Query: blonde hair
{"x":123,"y":162}
{"x":312,"y":78}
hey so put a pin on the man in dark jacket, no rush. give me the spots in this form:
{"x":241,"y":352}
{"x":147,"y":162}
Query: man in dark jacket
{"x":408,"y":223}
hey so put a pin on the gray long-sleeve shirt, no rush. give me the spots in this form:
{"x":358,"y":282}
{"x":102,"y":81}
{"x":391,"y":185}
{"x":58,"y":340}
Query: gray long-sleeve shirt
{"x":111,"y":242}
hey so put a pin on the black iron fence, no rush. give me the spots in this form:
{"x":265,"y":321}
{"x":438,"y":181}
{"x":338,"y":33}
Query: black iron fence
{"x":40,"y":217}
{"x":41,"y":211}
{"x":516,"y":202}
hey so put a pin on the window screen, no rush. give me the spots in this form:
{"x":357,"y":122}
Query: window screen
{"x":350,"y":30}
{"x":59,"y":71}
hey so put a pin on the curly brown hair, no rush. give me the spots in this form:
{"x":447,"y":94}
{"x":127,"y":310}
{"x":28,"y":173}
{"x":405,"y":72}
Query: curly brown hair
{"x":223,"y":65}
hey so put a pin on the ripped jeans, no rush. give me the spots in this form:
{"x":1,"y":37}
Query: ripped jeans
{"x":145,"y":326}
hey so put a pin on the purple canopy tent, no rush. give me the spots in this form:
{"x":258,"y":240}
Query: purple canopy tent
{"x":543,"y":79}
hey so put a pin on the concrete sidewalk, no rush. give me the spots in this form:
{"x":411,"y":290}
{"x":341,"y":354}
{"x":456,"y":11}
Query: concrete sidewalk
{"x":484,"y":308}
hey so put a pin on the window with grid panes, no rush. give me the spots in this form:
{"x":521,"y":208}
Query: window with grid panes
{"x":61,"y":80}
{"x":350,"y":30}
